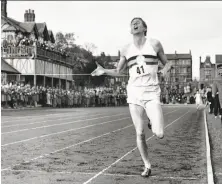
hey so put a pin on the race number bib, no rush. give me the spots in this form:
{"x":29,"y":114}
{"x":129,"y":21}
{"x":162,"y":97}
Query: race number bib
{"x":140,"y":68}
{"x":141,"y":65}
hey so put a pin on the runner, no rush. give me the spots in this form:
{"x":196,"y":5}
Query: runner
{"x":141,"y":58}
{"x":198,"y":100}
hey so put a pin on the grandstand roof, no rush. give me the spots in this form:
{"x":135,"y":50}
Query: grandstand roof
{"x":5,"y":67}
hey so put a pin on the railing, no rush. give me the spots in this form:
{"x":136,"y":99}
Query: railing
{"x":17,"y":52}
{"x":53,"y":55}
{"x":35,"y":52}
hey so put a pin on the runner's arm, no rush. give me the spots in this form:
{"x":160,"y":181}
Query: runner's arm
{"x":160,"y":53}
{"x":119,"y":70}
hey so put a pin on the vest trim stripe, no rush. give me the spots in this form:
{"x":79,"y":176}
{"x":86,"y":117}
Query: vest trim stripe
{"x":146,"y":56}
{"x":147,"y":63}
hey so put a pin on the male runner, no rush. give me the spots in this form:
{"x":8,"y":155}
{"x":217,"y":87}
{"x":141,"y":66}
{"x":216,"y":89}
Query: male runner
{"x":141,"y":58}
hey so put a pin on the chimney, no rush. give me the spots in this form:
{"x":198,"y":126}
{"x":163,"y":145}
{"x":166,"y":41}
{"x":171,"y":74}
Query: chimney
{"x":33,"y":16}
{"x":4,"y":7}
{"x":208,"y":59}
{"x":26,"y":16}
{"x":118,"y":53}
{"x":175,"y":52}
{"x":200,"y":59}
{"x":29,"y":16}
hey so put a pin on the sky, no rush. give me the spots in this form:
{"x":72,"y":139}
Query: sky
{"x":183,"y":26}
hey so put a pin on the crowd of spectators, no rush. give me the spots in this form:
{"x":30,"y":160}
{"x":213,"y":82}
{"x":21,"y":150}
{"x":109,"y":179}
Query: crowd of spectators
{"x":176,"y":97}
{"x":15,"y":95}
{"x":27,"y":42}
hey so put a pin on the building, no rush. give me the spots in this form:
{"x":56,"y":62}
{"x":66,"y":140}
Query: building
{"x":207,"y":71}
{"x":218,"y":65}
{"x":36,"y":65}
{"x":8,"y":73}
{"x":181,"y":73}
{"x":182,"y":68}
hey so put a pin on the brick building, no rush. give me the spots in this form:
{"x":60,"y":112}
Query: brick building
{"x":218,"y":64}
{"x":180,"y":74}
{"x":207,"y":71}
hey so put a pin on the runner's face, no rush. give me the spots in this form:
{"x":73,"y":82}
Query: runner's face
{"x":137,"y":27}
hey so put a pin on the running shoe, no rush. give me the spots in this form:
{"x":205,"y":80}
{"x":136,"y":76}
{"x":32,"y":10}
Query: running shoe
{"x":146,"y":172}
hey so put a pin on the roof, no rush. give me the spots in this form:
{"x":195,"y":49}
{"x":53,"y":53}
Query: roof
{"x":51,"y":35}
{"x":41,"y":27}
{"x":178,"y":56}
{"x":203,"y":65}
{"x":218,"y":59}
{"x":13,"y":23}
{"x":10,"y":28}
{"x":7,"y":67}
{"x":28,"y":26}
{"x":50,"y":32}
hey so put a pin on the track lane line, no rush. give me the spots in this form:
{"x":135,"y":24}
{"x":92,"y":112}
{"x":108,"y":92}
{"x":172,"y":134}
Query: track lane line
{"x":59,"y":124}
{"x":41,"y":156}
{"x":47,"y":154}
{"x":31,"y":117}
{"x":104,"y":174}
{"x":64,"y":117}
{"x":73,"y":129}
{"x":101,"y":172}
{"x":210,"y":175}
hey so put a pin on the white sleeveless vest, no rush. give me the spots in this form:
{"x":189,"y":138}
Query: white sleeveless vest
{"x":142,"y":64}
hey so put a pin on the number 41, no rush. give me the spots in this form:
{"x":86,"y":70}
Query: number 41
{"x":140,"y":70}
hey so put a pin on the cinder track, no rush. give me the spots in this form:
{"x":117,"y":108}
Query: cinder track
{"x":98,"y":145}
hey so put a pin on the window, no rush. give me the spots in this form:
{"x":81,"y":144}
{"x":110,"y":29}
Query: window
{"x":173,"y":62}
{"x":207,"y":72}
{"x":188,"y":62}
{"x":189,"y":70}
{"x":173,"y":70}
{"x":184,"y":70}
{"x":10,"y":37}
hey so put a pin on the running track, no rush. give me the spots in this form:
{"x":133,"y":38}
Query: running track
{"x":97,"y":145}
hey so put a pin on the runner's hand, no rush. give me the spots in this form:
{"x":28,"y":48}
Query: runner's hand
{"x":165,"y":71}
{"x":164,"y":74}
{"x":98,"y":71}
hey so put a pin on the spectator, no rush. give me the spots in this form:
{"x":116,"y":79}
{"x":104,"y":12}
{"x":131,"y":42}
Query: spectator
{"x":210,"y":100}
{"x":217,"y":93}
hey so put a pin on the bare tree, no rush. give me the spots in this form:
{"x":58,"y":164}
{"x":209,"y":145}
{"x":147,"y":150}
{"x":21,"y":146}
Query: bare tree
{"x":90,"y":47}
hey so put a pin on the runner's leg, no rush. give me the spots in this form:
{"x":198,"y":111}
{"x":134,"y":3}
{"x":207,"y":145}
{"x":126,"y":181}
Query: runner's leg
{"x":137,"y":117}
{"x":155,"y":114}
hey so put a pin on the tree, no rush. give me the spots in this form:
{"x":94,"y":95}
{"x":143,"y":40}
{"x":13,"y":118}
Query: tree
{"x":60,"y":40}
{"x":83,"y":59}
{"x":90,"y":47}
